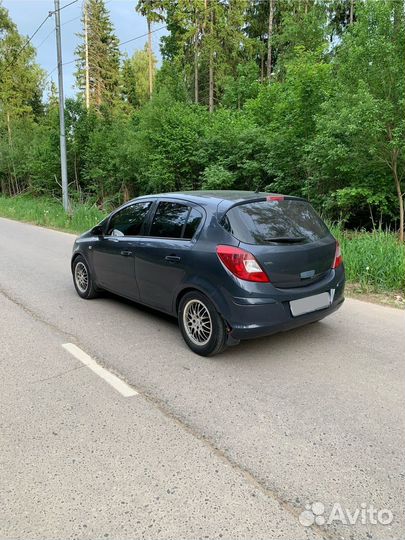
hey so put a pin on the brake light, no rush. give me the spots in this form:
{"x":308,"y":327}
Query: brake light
{"x":337,"y":261}
{"x":242,"y":264}
{"x":271,"y":198}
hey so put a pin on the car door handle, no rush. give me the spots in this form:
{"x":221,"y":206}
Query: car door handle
{"x":173,"y":258}
{"x":126,"y":253}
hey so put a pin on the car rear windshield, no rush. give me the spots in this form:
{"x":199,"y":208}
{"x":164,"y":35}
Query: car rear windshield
{"x":286,"y":220}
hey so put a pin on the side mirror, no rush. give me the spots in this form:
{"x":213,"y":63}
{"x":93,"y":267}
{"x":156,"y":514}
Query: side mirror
{"x":97,"y":231}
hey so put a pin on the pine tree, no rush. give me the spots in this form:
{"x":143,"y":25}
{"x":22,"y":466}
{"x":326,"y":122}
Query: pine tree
{"x":256,"y":27}
{"x":152,"y":10}
{"x":207,"y":39}
{"x":103,"y":57}
{"x":186,"y":22}
{"x":270,"y":39}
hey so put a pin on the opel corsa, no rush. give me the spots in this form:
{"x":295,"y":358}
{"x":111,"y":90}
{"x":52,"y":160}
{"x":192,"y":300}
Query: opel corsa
{"x":230,"y":265}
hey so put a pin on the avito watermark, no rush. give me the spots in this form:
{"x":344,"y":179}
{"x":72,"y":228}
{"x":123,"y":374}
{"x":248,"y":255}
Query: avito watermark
{"x":364,"y":514}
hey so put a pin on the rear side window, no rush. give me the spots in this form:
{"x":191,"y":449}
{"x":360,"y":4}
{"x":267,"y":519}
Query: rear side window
{"x":174,"y":220}
{"x":194,"y":219}
{"x":169,"y":220}
{"x":129,"y":220}
{"x":282,"y":220}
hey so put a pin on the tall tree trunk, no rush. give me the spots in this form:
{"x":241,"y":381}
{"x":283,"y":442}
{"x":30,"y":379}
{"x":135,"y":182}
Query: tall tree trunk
{"x":211,"y":68}
{"x":394,"y":168}
{"x":199,"y":29}
{"x":261,"y":67}
{"x":13,"y":187}
{"x":269,"y":44}
{"x":351,"y":16}
{"x":211,"y":83}
{"x":196,"y":81}
{"x":98,"y":92}
{"x":150,"y":58}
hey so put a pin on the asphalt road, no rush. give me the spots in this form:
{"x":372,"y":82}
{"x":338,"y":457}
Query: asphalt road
{"x":230,"y":447}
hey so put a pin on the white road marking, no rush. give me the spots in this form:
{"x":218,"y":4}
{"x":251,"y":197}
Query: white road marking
{"x":119,"y":385}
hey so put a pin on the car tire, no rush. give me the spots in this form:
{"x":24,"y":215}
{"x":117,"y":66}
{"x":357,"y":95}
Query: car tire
{"x":82,"y":279}
{"x":202,"y":327}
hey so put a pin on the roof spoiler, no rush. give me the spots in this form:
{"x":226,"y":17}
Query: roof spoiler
{"x":269,"y":198}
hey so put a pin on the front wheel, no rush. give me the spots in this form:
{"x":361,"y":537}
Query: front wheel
{"x":202,"y":327}
{"x":84,"y":283}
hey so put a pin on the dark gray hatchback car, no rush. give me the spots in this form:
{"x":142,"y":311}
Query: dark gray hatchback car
{"x":230,"y":265}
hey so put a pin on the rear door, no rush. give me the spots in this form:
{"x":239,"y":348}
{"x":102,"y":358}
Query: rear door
{"x":113,"y":254}
{"x":287,"y":237}
{"x":163,"y":258}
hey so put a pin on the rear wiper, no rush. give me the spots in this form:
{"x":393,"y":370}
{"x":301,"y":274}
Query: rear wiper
{"x":286,"y":239}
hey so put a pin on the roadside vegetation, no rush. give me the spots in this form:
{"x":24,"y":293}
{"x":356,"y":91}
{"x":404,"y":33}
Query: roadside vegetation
{"x":374,"y":260}
{"x":49,"y":213}
{"x":288,"y":96}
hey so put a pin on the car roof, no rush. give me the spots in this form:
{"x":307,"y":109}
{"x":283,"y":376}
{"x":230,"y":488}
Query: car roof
{"x":214,"y":197}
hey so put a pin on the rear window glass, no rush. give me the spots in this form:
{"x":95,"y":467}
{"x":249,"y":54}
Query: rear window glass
{"x":266,"y":221}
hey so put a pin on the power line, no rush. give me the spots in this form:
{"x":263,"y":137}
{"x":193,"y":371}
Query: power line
{"x":67,"y":63}
{"x":17,"y":54}
{"x":63,"y":7}
{"x":71,"y":20}
{"x":56,"y":67}
{"x":43,"y":41}
{"x":121,"y":43}
{"x":141,"y":36}
{"x":50,"y":73}
{"x":53,"y":30}
{"x":20,"y":50}
{"x":74,"y":19}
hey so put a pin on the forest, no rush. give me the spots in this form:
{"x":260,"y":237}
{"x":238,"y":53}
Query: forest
{"x":296,"y":97}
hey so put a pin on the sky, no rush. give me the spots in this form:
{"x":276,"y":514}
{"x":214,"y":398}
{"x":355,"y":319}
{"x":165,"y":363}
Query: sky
{"x":28,"y":15}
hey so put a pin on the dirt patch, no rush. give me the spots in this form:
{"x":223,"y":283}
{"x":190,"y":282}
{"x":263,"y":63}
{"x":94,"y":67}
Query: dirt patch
{"x":393,"y":299}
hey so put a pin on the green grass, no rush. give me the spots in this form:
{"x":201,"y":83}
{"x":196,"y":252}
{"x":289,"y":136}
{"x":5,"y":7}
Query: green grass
{"x":49,"y":213}
{"x":375,"y":261}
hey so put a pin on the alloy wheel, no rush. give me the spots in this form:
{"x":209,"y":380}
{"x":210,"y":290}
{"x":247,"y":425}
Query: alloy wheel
{"x":197,"y":322}
{"x":81,"y":277}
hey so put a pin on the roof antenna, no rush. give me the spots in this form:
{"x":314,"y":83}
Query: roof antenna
{"x":257,"y":190}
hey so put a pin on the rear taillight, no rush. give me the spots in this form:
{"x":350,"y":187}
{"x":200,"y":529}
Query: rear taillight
{"x":337,"y":261}
{"x":242,"y":264}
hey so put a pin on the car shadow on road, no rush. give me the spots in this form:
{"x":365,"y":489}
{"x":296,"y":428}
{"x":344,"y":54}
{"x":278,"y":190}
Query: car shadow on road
{"x":141,"y":308}
{"x":298,"y":340}
{"x":277,"y":346}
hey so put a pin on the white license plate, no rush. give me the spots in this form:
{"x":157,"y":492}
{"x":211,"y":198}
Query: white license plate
{"x":309,"y":304}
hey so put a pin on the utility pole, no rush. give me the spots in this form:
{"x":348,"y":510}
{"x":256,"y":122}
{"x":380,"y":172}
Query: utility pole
{"x":150,"y":56}
{"x":63,"y":161}
{"x":86,"y":46}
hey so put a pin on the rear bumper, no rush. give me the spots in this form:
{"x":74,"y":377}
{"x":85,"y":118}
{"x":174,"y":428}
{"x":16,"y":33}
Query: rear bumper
{"x":263,"y":318}
{"x":249,"y":331}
